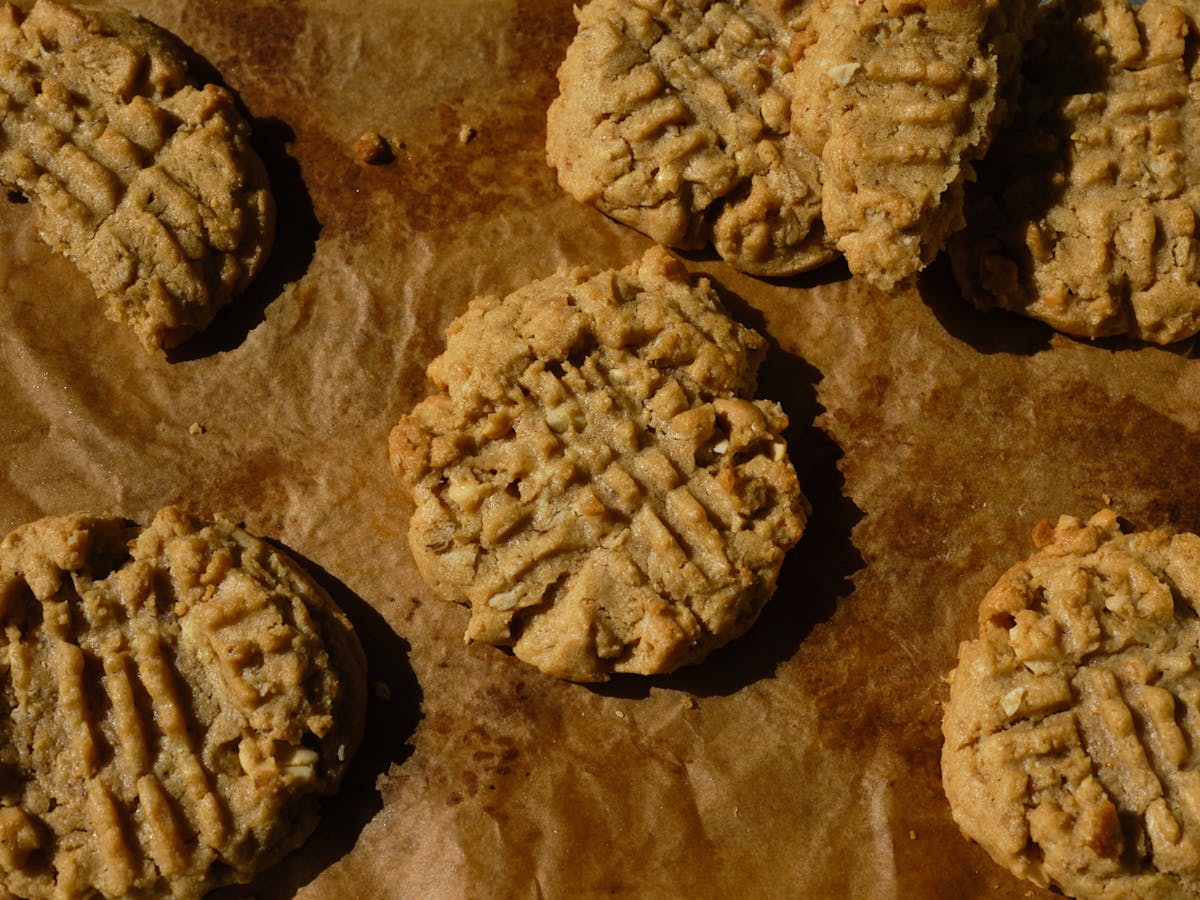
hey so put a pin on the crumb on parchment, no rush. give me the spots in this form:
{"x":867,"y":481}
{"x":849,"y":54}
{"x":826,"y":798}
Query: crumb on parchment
{"x":373,"y":149}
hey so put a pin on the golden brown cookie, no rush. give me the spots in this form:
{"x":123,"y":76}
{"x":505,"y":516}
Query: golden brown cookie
{"x":590,"y":477}
{"x":144,"y":179}
{"x":174,"y":701}
{"x":897,"y":98}
{"x":674,"y":118}
{"x":1085,"y":212}
{"x":1072,"y":732}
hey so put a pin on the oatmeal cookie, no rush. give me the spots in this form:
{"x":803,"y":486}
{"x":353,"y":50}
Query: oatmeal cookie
{"x":898,"y":97}
{"x":590,"y":477}
{"x":174,"y":701}
{"x":1085,"y":212}
{"x":1072,"y":732}
{"x":674,"y":118}
{"x":145,"y":179}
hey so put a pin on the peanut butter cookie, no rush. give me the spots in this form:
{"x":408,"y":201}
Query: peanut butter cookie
{"x":144,"y":179}
{"x":590,"y":477}
{"x":1085,"y":212}
{"x":674,"y":117}
{"x":173,"y":703}
{"x":898,"y":97}
{"x":1072,"y":732}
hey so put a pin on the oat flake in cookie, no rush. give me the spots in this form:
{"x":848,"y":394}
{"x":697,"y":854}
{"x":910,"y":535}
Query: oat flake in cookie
{"x":1085,"y":212}
{"x":590,"y":477}
{"x":674,"y":117}
{"x":1072,"y":732}
{"x":145,"y":179}
{"x":174,"y":701}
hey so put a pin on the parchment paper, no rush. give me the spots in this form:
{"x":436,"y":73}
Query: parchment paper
{"x":801,"y":761}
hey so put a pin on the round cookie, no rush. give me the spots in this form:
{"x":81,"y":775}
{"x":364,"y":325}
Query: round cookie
{"x":1085,"y":212}
{"x":674,"y":118}
{"x":144,"y":179}
{"x":897,"y":99}
{"x":1072,"y":731}
{"x":174,"y":701}
{"x":590,"y":478}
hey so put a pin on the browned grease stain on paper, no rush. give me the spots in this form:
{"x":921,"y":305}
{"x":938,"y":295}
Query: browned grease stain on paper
{"x":255,"y":43}
{"x":480,"y":753}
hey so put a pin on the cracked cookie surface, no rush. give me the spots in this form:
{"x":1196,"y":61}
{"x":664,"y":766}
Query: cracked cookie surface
{"x":146,"y":180}
{"x":674,"y":118}
{"x":174,"y":701}
{"x":1085,"y":212}
{"x":1072,"y":732}
{"x":590,"y":477}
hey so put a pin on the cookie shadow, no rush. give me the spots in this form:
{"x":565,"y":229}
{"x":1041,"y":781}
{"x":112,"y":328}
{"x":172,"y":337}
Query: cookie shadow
{"x":292,"y":251}
{"x":987,"y":332}
{"x":1018,"y":184}
{"x":815,"y":574}
{"x":296,"y":228}
{"x":1003,"y":331}
{"x":393,"y":712}
{"x":1188,"y":348}
{"x":831,"y":272}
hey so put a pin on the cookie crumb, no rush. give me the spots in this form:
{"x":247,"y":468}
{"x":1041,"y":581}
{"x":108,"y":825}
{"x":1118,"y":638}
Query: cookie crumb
{"x":912,"y":835}
{"x":689,"y":702}
{"x":373,"y":149}
{"x":196,"y":428}
{"x":466,"y":134}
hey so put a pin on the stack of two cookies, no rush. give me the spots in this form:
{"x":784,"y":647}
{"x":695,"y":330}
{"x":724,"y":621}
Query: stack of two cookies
{"x":1043,"y":145}
{"x":786,"y":133}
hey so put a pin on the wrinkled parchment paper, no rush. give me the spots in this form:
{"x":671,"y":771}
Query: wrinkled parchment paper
{"x":802,"y":760}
